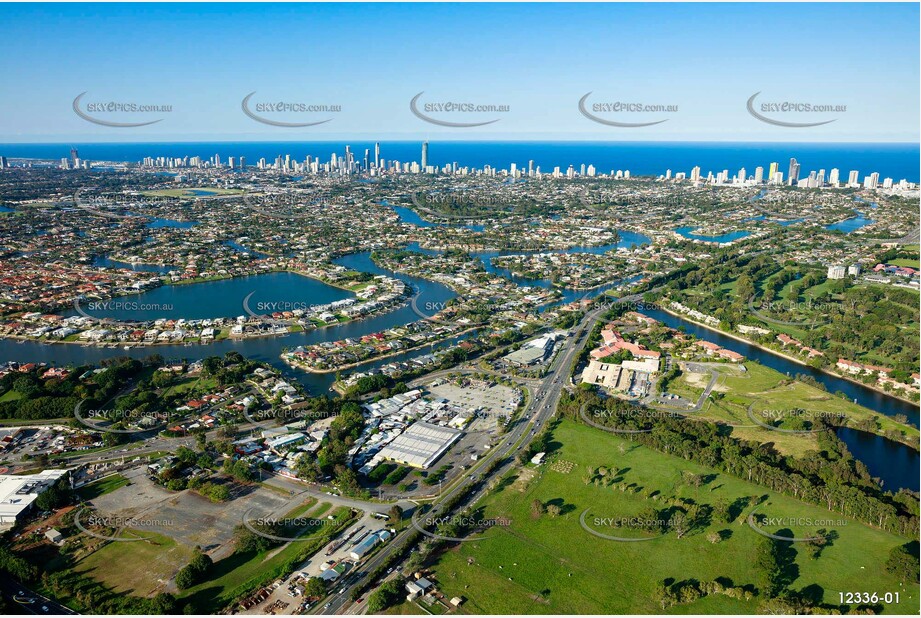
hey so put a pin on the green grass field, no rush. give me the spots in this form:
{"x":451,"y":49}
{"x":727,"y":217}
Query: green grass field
{"x":762,"y":388}
{"x":551,"y":565}
{"x":102,"y":487}
{"x":772,"y":395}
{"x":140,"y":568}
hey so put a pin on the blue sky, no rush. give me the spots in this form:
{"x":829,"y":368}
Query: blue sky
{"x":538,"y":59}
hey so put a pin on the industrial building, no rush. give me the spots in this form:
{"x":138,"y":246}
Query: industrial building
{"x":532,"y":352}
{"x":421,"y":444}
{"x":18,"y":492}
{"x":362,"y":549}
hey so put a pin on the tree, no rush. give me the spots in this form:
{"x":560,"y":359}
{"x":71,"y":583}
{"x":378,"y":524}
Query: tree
{"x":396,"y":513}
{"x":817,"y":543}
{"x":903,"y":561}
{"x":767,"y":561}
{"x":537,"y":508}
{"x":194,"y":572}
{"x":315,"y":588}
{"x":385,"y":596}
{"x":680,"y":523}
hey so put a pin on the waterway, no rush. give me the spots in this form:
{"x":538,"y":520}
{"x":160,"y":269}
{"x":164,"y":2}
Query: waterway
{"x":263,"y":293}
{"x":893,"y":462}
{"x":850,"y":225}
{"x":688,"y":232}
{"x":408,"y":215}
{"x":205,"y":302}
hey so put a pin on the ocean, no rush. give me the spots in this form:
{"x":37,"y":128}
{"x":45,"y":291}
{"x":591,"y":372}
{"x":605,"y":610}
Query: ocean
{"x":891,"y":160}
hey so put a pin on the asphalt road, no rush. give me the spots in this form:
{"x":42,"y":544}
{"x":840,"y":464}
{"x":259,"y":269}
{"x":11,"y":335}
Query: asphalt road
{"x":22,"y":600}
{"x":541,"y":408}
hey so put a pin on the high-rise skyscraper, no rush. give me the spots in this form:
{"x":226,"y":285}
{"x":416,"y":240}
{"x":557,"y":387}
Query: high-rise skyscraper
{"x":773,"y":170}
{"x":853,"y":178}
{"x":793,"y":174}
{"x":425,"y":155}
{"x":833,"y":177}
{"x":759,"y":175}
{"x":377,"y":155}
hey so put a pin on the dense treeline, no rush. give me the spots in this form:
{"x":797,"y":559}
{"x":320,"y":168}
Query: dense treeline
{"x":829,"y":477}
{"x":36,"y":398}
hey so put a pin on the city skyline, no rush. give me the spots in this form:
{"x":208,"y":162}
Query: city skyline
{"x":349,"y":165}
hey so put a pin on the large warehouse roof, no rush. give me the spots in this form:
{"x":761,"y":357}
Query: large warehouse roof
{"x":421,"y":445}
{"x":18,"y":492}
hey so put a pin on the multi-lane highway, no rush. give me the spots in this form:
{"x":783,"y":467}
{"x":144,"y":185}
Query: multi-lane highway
{"x":542,"y":407}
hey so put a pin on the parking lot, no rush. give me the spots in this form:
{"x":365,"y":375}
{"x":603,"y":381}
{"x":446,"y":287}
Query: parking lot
{"x":488,"y":403}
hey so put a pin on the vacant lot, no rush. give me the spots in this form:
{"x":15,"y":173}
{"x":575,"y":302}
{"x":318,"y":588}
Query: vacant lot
{"x":139,"y":568}
{"x":186,"y":516}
